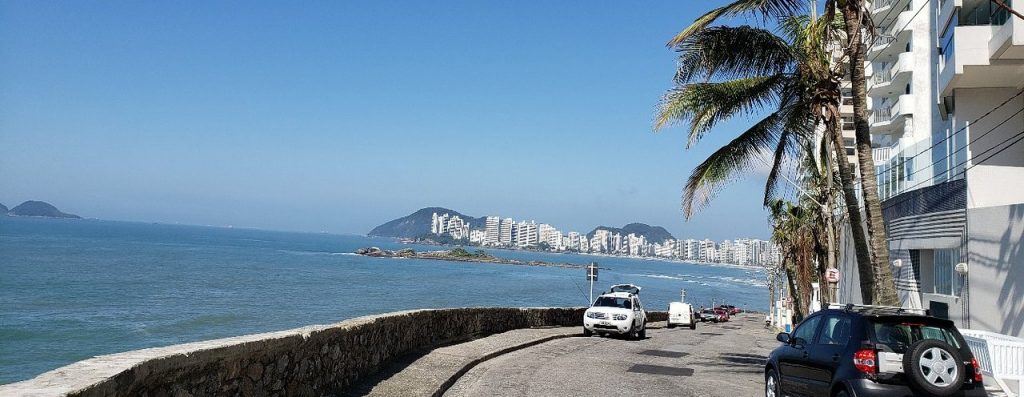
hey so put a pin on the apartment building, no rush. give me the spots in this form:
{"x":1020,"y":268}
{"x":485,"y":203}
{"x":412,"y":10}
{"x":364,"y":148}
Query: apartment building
{"x":505,"y":231}
{"x":492,"y":230}
{"x":947,"y":122}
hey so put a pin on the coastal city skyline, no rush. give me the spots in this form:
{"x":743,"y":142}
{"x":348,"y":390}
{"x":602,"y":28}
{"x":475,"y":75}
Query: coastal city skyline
{"x":507,"y":233}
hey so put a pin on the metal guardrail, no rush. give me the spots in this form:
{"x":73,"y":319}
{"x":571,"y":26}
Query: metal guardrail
{"x":1000,"y":356}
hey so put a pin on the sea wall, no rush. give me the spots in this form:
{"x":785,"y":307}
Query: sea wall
{"x":309,"y":361}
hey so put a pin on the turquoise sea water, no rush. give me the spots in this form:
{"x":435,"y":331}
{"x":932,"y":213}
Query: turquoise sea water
{"x":73,"y":289}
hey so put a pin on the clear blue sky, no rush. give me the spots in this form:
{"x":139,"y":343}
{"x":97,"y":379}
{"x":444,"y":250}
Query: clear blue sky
{"x":337,"y":116}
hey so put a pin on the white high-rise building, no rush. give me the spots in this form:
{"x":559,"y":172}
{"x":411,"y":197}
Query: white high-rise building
{"x":691,"y":250}
{"x":947,"y":123}
{"x":439,"y":224}
{"x":601,"y":241}
{"x":707,"y":251}
{"x":505,"y":231}
{"x":492,"y":231}
{"x":549,"y":235}
{"x":526,"y":234}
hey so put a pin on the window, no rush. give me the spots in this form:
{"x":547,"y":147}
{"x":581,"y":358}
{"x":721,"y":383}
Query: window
{"x":896,"y":336}
{"x":835,"y":331}
{"x":805,"y":332}
{"x":946,"y":281}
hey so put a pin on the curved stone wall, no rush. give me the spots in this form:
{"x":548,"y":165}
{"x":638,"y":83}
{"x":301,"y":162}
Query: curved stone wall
{"x":309,"y":361}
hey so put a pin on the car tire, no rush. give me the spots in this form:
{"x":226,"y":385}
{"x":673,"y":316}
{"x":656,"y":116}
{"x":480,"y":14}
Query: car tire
{"x":772,"y":386}
{"x":693,"y":325}
{"x":670,"y":326}
{"x":643,"y":333}
{"x":841,"y":393}
{"x":921,"y":360}
{"x":587,"y":332}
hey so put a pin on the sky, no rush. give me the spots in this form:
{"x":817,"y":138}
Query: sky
{"x":337,"y":116}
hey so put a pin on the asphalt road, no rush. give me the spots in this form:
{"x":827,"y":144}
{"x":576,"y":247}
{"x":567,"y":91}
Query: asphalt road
{"x":724,"y":359}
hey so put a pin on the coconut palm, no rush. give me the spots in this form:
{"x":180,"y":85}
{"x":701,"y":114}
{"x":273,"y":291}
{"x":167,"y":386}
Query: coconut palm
{"x":793,"y":229}
{"x":758,"y":70}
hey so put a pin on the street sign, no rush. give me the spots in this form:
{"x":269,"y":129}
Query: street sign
{"x":592,"y":272}
{"x":832,"y":275}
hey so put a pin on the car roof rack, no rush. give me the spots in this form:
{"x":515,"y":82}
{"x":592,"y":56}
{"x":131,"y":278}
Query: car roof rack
{"x":879,"y":310}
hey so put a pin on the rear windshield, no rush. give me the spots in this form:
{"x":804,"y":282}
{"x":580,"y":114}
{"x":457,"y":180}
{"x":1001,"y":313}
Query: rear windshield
{"x":896,"y":336}
{"x":607,"y":301}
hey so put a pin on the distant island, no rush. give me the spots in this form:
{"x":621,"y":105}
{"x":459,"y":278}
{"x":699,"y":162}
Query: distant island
{"x":39,"y":209}
{"x":458,"y":254}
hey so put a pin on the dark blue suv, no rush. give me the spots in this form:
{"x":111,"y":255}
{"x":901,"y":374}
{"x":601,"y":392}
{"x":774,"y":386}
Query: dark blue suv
{"x":872,"y":351}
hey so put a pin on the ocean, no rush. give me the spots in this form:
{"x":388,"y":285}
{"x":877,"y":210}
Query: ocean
{"x":74,"y":289}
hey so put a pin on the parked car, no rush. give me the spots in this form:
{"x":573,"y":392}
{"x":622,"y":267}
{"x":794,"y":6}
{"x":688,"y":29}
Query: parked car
{"x":723,"y":314}
{"x":733,"y":310}
{"x":618,"y":311}
{"x":680,"y":313}
{"x":873,"y":351}
{"x":710,"y":315}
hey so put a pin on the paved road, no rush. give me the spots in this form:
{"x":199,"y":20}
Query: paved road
{"x":714,"y":360}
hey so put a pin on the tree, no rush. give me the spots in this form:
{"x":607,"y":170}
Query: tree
{"x":857,"y":19}
{"x":812,"y":86}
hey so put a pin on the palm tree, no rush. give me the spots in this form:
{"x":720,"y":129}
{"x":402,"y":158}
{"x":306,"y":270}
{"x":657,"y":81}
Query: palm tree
{"x":793,"y":229}
{"x":756,"y":68}
{"x":857,"y":19}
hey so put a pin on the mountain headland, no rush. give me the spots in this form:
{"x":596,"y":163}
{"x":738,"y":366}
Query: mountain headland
{"x":417,"y":224}
{"x":651,"y":233}
{"x":38,"y":208}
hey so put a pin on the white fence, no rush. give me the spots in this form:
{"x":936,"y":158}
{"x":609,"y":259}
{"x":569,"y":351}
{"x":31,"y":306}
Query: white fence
{"x":1001,"y":357}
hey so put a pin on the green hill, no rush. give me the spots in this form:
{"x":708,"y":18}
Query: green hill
{"x":653,"y":234}
{"x":418,"y":223}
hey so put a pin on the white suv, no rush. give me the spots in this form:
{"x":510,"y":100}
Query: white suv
{"x":617,"y":312}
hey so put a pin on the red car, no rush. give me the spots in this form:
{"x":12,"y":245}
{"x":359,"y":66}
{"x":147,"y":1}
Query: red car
{"x":731,"y":309}
{"x":723,"y":315}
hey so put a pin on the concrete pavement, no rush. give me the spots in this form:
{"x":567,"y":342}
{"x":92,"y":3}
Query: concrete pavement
{"x":724,"y":359}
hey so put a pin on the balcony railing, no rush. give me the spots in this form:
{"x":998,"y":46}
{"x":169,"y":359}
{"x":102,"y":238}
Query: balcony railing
{"x":880,"y":4}
{"x":881,"y":115}
{"x":882,"y":76}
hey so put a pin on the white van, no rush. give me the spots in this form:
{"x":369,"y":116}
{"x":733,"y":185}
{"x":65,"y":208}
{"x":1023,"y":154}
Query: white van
{"x":681,"y":314}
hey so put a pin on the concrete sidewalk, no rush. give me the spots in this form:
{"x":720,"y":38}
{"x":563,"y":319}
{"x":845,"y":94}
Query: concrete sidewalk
{"x":433,"y":373}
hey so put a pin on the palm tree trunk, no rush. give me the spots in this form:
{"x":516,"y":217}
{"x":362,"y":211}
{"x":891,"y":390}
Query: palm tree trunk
{"x":883,"y":288}
{"x":791,"y":276}
{"x":865,"y":270}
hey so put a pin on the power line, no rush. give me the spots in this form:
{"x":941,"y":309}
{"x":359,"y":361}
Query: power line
{"x":1018,"y":136}
{"x":944,"y":158}
{"x":990,"y":111}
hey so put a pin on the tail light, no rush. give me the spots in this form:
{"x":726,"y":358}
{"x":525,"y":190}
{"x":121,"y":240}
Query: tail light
{"x":977,"y":370}
{"x":866,"y":361}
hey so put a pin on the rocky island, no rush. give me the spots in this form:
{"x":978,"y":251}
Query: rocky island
{"x":459,"y":254}
{"x":39,"y":209}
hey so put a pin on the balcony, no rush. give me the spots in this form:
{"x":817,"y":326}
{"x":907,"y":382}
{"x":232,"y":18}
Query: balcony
{"x":883,"y":11}
{"x":981,"y":47}
{"x":888,"y":119}
{"x":893,"y":38}
{"x":893,"y":78}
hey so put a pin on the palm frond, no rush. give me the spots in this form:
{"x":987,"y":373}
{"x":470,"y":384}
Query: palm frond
{"x":732,"y":52}
{"x":762,"y":8}
{"x":728,"y":162}
{"x":706,"y":104}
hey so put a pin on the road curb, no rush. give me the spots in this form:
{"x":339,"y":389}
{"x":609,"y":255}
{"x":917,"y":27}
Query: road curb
{"x":447,"y":384}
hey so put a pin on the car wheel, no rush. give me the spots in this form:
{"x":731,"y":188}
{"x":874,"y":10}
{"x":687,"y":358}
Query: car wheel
{"x":693,"y":325}
{"x":934,"y":367}
{"x":670,"y":326}
{"x":771,"y":385}
{"x":842,"y":393}
{"x":643,"y":332}
{"x":587,"y":332}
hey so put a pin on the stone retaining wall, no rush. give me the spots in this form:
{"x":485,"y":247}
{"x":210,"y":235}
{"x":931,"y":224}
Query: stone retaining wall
{"x":309,"y":361}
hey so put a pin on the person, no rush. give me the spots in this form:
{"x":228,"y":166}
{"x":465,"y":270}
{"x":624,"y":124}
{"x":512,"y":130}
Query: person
{"x":767,"y":320}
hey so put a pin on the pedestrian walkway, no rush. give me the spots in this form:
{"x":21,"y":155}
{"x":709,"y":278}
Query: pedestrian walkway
{"x":434,"y":372}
